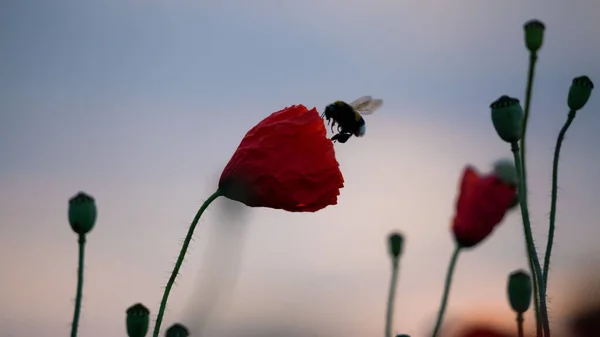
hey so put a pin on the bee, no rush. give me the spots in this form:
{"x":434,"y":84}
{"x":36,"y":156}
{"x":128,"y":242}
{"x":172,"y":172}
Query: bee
{"x":348,"y":117}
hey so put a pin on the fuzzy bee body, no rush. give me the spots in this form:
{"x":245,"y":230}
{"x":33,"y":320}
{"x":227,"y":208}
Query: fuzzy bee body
{"x":348,"y":117}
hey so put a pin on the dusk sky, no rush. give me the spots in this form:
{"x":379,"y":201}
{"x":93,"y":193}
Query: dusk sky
{"x":141,"y":103}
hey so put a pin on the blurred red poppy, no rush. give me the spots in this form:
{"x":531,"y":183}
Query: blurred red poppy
{"x":482,"y":204}
{"x":587,"y":323}
{"x":481,"y":331}
{"x":285,"y":162}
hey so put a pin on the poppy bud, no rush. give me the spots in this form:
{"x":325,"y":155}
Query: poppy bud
{"x":482,"y":203}
{"x":285,"y":162}
{"x":177,"y":330}
{"x":519,"y":291}
{"x":396,"y":243}
{"x":506,"y":171}
{"x":137,"y":320}
{"x":82,"y":213}
{"x":579,"y":93}
{"x":534,"y":35}
{"x":507,"y":117}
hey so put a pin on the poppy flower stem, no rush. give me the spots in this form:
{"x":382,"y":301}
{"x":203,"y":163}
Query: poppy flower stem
{"x":391,"y":297}
{"x":523,"y":177}
{"x":530,"y":74}
{"x":76,"y":313}
{"x":520,"y":320}
{"x":549,"y":243}
{"x":175,"y":272}
{"x":448,"y":284}
{"x":522,"y":163}
{"x":536,"y":305}
{"x":534,"y":263}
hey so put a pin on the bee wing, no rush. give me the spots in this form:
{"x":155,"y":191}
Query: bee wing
{"x":361,"y":102}
{"x":370,"y":107}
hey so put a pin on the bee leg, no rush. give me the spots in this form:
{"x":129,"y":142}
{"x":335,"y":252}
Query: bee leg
{"x":343,"y":137}
{"x":335,"y":138}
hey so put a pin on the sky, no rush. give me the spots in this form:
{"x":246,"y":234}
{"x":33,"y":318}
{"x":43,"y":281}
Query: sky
{"x":142,"y":103}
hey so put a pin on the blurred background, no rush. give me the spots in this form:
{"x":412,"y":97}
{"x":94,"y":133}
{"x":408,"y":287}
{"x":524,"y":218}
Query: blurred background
{"x":141,"y":104}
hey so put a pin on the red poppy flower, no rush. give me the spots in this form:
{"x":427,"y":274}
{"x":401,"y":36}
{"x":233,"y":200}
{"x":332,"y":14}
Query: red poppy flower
{"x":482,"y":204}
{"x":587,"y":323}
{"x":481,"y":331}
{"x":285,"y":162}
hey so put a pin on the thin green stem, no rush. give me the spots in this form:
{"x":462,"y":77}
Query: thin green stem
{"x":523,"y":167}
{"x":520,"y":320}
{"x":536,"y":270}
{"x":391,"y":298}
{"x":539,"y":332}
{"x":549,"y":243}
{"x":175,"y":272}
{"x":530,"y":75}
{"x":528,"y":93}
{"x":75,"y":324}
{"x":447,"y":286}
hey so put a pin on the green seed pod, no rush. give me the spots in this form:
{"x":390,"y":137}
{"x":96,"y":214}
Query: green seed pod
{"x":395,"y":244}
{"x":580,"y":92}
{"x":534,"y":35}
{"x":82,"y":213}
{"x":138,"y":320}
{"x":177,"y":330}
{"x":519,"y":291}
{"x":507,"y":117}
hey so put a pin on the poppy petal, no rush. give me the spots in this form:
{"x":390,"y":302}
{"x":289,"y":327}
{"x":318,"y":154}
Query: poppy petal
{"x":482,"y":204}
{"x":285,"y":162}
